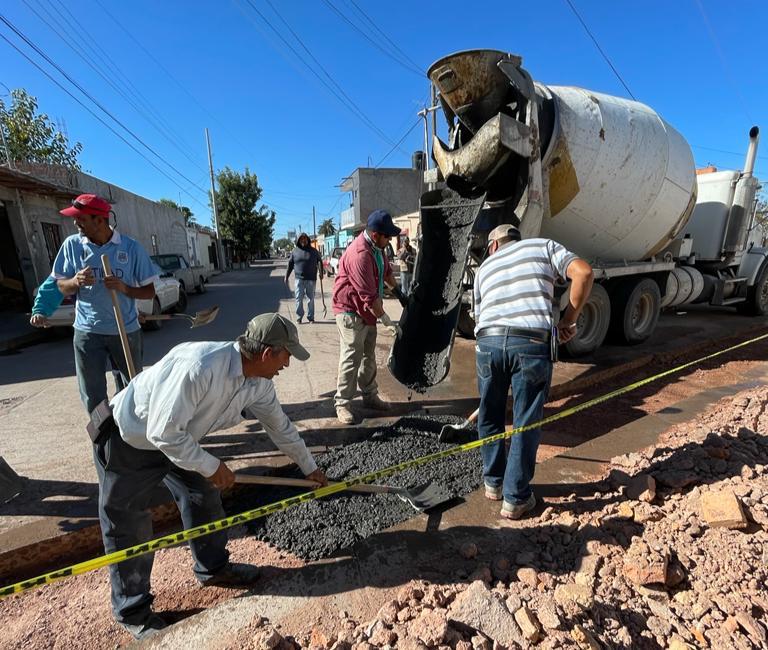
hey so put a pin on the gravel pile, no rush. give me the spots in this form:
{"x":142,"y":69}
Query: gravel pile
{"x":318,"y":529}
{"x":670,"y":551}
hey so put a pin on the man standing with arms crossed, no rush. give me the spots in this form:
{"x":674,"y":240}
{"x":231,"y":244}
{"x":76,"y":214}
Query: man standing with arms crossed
{"x":78,"y":269}
{"x":357,"y":302}
{"x":514,"y":289}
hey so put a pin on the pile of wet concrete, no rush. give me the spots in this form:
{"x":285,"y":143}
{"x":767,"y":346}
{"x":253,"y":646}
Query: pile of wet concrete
{"x":321,"y":528}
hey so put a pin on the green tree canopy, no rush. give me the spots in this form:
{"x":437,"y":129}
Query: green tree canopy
{"x":189,"y":217}
{"x":31,"y":136}
{"x":327,"y":228}
{"x":284,"y":244}
{"x":250,"y":228}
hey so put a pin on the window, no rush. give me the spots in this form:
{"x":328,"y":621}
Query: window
{"x":52,"y":234}
{"x":154,"y":245}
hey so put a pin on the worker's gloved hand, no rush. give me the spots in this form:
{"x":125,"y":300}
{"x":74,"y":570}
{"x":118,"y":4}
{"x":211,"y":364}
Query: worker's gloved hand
{"x":394,"y":328}
{"x":223,"y":477}
{"x":318,"y":476}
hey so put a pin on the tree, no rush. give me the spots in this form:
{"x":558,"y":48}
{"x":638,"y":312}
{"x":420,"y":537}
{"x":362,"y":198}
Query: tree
{"x":249,"y":228}
{"x":189,"y":217}
{"x":327,"y":228}
{"x":284,"y":244}
{"x":32,"y":137}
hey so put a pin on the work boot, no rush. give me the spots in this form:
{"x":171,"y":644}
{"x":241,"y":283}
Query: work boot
{"x":375,"y":403}
{"x":298,"y":320}
{"x":517,"y":510}
{"x":235,"y":574}
{"x":146,"y":629}
{"x":493,"y":493}
{"x":345,"y":415}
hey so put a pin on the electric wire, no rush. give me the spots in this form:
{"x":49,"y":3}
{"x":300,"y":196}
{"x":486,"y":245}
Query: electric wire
{"x":99,"y":118}
{"x":94,"y":100}
{"x":411,"y":68}
{"x":125,"y":95}
{"x":600,"y":49}
{"x":339,"y":94}
{"x":397,"y":144}
{"x":380,"y":31}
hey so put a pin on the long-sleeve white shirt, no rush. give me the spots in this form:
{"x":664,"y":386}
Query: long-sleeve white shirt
{"x":194,"y":389}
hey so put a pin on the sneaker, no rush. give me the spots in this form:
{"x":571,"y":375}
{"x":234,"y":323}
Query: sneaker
{"x":298,"y":320}
{"x":375,"y":403}
{"x":235,"y":574}
{"x":493,"y":493}
{"x":310,"y":320}
{"x":517,"y":510}
{"x":345,"y":415}
{"x":146,"y":629}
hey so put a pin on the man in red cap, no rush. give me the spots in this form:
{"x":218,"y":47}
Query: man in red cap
{"x":78,"y":270}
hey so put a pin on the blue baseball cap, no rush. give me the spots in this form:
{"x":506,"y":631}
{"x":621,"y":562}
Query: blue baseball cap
{"x":381,"y":221}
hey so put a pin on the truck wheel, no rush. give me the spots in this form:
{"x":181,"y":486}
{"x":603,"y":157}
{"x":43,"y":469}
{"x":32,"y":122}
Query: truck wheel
{"x":466,"y":325}
{"x":635,"y":310}
{"x":182,"y":286}
{"x":592,"y":325}
{"x":757,"y":296}
{"x":153,"y":325}
{"x":182,"y":304}
{"x":200,"y":288}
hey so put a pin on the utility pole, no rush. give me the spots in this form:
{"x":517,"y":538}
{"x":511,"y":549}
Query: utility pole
{"x":219,"y":247}
{"x":314,"y":224}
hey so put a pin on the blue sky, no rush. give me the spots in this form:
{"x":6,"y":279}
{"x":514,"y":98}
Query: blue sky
{"x":188,"y":65}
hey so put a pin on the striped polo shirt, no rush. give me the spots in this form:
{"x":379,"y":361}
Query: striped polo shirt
{"x":514,"y":287}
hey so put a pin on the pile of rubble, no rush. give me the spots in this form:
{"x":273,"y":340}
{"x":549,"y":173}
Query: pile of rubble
{"x":668,"y":550}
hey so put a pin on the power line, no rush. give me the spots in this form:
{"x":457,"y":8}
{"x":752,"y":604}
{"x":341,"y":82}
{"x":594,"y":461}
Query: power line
{"x":723,"y":62}
{"x":394,"y":45}
{"x":127,"y":97}
{"x":600,"y":49}
{"x":348,"y":103}
{"x":730,"y":153}
{"x":93,"y":99}
{"x":96,"y":115}
{"x":397,"y":144}
{"x":411,"y":68}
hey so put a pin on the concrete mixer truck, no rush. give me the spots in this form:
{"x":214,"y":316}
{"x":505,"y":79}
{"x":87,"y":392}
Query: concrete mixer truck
{"x":605,"y":176}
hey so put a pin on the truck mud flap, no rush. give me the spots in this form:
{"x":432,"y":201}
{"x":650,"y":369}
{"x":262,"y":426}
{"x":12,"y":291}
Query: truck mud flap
{"x":421,"y":353}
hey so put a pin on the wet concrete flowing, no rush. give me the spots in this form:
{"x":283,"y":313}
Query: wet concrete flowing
{"x":319,"y":529}
{"x":421,"y":355}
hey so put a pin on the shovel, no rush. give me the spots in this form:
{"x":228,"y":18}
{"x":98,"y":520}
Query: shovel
{"x":198,"y":320}
{"x":452,"y":432}
{"x":322,"y":297}
{"x":422,"y":497}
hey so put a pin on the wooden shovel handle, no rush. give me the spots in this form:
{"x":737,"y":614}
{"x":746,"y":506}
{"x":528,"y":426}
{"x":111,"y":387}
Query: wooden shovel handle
{"x":302,"y":482}
{"x":120,"y":322}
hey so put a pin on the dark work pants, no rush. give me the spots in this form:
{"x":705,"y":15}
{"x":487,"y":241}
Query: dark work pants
{"x":127,"y":479}
{"x":525,"y":364}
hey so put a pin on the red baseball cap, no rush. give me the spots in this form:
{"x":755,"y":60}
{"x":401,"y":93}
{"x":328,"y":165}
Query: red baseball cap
{"x":88,"y":204}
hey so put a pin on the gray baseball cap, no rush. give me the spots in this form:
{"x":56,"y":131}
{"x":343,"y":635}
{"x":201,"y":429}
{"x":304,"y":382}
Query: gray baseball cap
{"x":502,"y":231}
{"x":274,"y":330}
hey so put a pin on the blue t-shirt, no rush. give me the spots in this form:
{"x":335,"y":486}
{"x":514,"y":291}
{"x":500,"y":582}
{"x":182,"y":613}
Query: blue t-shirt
{"x":129,"y":262}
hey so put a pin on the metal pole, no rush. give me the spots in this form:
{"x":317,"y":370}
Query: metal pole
{"x":219,"y":248}
{"x":314,"y":224}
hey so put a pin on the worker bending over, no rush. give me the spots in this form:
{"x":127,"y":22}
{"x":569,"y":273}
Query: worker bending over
{"x":514,"y":289}
{"x":153,"y":436}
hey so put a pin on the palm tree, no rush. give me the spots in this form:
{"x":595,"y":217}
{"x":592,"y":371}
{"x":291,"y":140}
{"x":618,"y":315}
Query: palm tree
{"x":327,"y":228}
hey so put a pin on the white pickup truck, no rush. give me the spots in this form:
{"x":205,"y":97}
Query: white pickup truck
{"x":173,"y":264}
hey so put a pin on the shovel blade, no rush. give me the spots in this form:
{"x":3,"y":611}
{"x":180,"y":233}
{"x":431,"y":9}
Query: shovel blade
{"x":424,"y":497}
{"x":204,"y":317}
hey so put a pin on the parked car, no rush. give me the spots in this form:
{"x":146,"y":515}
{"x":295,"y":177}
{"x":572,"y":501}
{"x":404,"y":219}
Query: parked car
{"x":168,"y":297}
{"x":331,"y":262}
{"x":177,"y":266}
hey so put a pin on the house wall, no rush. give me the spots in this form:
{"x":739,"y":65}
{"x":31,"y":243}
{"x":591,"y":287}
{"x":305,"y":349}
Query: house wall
{"x":395,"y":190}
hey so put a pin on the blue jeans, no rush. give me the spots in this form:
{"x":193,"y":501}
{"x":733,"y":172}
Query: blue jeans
{"x":525,"y":364}
{"x":128,"y":478}
{"x":305,"y":287}
{"x":92,"y":351}
{"x":405,"y":281}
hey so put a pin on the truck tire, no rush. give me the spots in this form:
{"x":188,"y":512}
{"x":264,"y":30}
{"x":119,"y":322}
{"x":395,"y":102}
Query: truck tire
{"x":757,"y":296}
{"x":200,"y":288}
{"x":592,"y":325}
{"x":182,"y":286}
{"x":183,"y":302}
{"x":466,"y":325}
{"x":635,"y":309}
{"x":154,"y":325}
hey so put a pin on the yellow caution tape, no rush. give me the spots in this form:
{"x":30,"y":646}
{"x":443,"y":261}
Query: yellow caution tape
{"x":250,"y":515}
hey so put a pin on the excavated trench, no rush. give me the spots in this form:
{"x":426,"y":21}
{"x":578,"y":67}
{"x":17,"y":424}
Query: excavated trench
{"x":321,"y":528}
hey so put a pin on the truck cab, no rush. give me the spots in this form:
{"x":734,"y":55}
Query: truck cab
{"x":189,"y":277}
